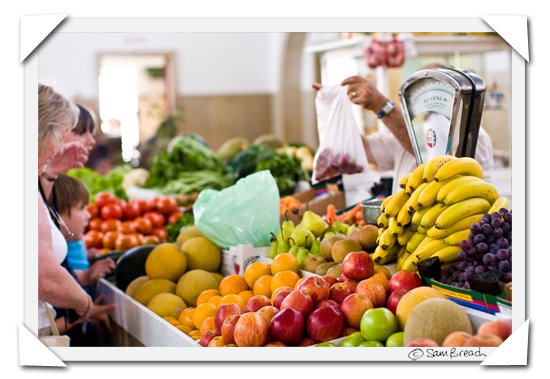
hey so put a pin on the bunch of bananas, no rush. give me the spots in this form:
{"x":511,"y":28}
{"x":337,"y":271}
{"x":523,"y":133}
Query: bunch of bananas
{"x":433,"y":212}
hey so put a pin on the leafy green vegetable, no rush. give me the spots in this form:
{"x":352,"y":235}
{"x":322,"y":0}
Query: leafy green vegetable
{"x":195,"y":181}
{"x":173,"y":230}
{"x":286,"y":170}
{"x":95,"y":182}
{"x":245,"y":163}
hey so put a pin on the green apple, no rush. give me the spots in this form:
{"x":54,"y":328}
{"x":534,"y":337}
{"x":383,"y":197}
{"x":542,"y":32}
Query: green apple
{"x":371,"y":344}
{"x":378,"y":324}
{"x":395,"y":340}
{"x":326,"y":344}
{"x":354,"y":339}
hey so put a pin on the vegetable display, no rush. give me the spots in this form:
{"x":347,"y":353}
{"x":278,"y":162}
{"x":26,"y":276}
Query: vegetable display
{"x":95,"y":182}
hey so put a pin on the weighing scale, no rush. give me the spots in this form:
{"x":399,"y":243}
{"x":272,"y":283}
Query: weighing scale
{"x":442,"y":108}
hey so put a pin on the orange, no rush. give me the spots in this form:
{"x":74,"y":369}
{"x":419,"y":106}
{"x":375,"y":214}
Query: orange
{"x":207,"y":324}
{"x":185,"y":328}
{"x":284,"y":279}
{"x":254,"y":271}
{"x":202,"y":312}
{"x":232,"y":284}
{"x":205,"y":295}
{"x":195,"y":334}
{"x":284,"y":262}
{"x":216,"y":342}
{"x":277,"y":291}
{"x":233,"y":298}
{"x":382,"y":279}
{"x":186,"y":317}
{"x":215,"y":300}
{"x":246,"y":295}
{"x":172,"y":320}
{"x":263,"y":286}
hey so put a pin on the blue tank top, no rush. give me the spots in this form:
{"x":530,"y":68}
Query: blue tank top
{"x":77,"y":255}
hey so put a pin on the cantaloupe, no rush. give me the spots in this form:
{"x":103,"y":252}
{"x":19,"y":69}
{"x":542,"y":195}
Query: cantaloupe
{"x":435,"y":319}
{"x":188,"y":233}
{"x":167,"y":305}
{"x":412,"y":299}
{"x":192,"y":283}
{"x":134,"y":285}
{"x":202,"y":254}
{"x":166,"y":261}
{"x":153,"y":287}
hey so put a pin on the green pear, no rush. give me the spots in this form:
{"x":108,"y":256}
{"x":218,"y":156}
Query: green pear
{"x":283,"y":246}
{"x":315,"y":248}
{"x":339,"y":227}
{"x":286,"y":228}
{"x":328,"y":234}
{"x":302,"y":255}
{"x":280,"y":237}
{"x":314,"y":222}
{"x":294,"y":250}
{"x":273,"y":249}
{"x":302,"y":237}
{"x":351,"y":229}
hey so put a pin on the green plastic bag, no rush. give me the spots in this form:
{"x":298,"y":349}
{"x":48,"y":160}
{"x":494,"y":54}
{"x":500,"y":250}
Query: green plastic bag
{"x":245,"y":213}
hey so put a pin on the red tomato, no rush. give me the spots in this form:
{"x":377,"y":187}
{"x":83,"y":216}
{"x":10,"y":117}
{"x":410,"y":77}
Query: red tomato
{"x":127,"y":227}
{"x":156,"y":218}
{"x":150,"y":240}
{"x":174,"y":217}
{"x":144,"y":205}
{"x":102,"y":198}
{"x":93,"y":239}
{"x":126,"y":241}
{"x":131,"y":211}
{"x":166,"y":205}
{"x":110,"y":224}
{"x":93,"y":210}
{"x":143,"y":225}
{"x":161,"y":234}
{"x":109,"y":239}
{"x":95,"y":224}
{"x":113,"y":210}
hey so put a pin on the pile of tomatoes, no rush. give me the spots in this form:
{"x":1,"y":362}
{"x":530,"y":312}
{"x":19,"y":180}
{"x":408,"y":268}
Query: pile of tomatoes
{"x":119,"y":225}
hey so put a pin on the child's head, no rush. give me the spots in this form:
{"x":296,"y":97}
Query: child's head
{"x":70,"y":197}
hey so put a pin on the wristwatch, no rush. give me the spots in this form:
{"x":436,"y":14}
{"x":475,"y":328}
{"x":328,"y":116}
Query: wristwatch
{"x":385,"y":109}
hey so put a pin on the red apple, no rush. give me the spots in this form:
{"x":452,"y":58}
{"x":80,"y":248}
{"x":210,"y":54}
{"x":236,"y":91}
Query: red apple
{"x":358,"y":265}
{"x":499,"y":328}
{"x":329,"y":279}
{"x":374,"y":290}
{"x":456,"y":339}
{"x":316,"y":287}
{"x":207,"y":337}
{"x":353,"y":307}
{"x":250,"y":330}
{"x":256,"y":302}
{"x":339,"y":291}
{"x":325,"y":324}
{"x":307,"y":342}
{"x":422,"y":342}
{"x":228,"y":328}
{"x":280,"y":296}
{"x":483,"y":340}
{"x":327,"y":303}
{"x":288,"y":327}
{"x":267,"y":312}
{"x":224,"y":311}
{"x":299,"y":301}
{"x":406,"y":280}
{"x":275,"y":344}
{"x":394,"y":299}
{"x":343,"y":278}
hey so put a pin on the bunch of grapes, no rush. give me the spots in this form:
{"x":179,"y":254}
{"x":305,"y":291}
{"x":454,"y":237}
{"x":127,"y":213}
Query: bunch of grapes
{"x":487,"y":249}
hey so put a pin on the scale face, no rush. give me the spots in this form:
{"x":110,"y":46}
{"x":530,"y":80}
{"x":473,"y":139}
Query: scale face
{"x":442,"y":109}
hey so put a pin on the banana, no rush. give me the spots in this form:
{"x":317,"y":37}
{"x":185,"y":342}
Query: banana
{"x":454,"y":183}
{"x":382,"y":256}
{"x":415,"y":240}
{"x":413,"y":203}
{"x":459,"y":166}
{"x":387,"y":239}
{"x":404,"y":237}
{"x":415,"y":178}
{"x":403,"y":181}
{"x":423,"y":243}
{"x":434,"y":165}
{"x":385,"y":203}
{"x":409,"y":264}
{"x":457,"y":237}
{"x":428,"y":220}
{"x":382,"y":221}
{"x":456,"y":212}
{"x":394,"y":228}
{"x":395,"y":204}
{"x":404,"y":216}
{"x":501,"y":202}
{"x":421,"y":230}
{"x":417,"y":216}
{"x":472,"y":189}
{"x":402,"y":255}
{"x":428,"y":249}
{"x":447,"y":255}
{"x":380,"y":232}
{"x":465,"y":223}
{"x":429,"y":194}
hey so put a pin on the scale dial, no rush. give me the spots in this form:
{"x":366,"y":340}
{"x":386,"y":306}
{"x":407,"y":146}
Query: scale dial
{"x":430,"y":95}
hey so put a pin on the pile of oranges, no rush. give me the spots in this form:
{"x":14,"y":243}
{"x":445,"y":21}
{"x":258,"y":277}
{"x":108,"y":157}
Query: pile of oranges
{"x":259,"y":279}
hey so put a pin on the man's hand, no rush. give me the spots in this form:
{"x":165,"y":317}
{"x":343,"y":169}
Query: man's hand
{"x":73,"y":155}
{"x":362,"y":92}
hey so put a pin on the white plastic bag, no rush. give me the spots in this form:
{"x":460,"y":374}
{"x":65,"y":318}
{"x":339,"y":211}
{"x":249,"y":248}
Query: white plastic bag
{"x":341,"y":149}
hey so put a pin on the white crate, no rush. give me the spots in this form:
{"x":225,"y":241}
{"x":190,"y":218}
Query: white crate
{"x":237,"y":258}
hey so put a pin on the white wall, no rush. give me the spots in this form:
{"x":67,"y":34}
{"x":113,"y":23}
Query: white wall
{"x":206,"y":63}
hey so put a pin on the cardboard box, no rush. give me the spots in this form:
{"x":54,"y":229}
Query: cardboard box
{"x":237,"y":258}
{"x":318,"y":204}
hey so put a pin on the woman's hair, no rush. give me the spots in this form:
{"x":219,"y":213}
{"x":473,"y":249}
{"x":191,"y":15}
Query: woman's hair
{"x":68,"y":192}
{"x":56,"y":114}
{"x":86,"y":121}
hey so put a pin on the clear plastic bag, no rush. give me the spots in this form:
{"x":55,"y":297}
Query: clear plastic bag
{"x":245,"y":213}
{"x":341,"y":149}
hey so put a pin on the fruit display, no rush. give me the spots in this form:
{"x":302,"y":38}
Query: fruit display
{"x":119,"y":225}
{"x":433,"y":212}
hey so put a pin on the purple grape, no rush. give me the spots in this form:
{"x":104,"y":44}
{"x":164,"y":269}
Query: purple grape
{"x":476,"y":228}
{"x":464,"y":245}
{"x":486,"y":229}
{"x":479,"y":238}
{"x":506,"y":277}
{"x":496,"y":222}
{"x":503,"y":211}
{"x":504,"y":266}
{"x":508,"y":218}
{"x":462,"y":277}
{"x":461,"y":265}
{"x":471,"y":253}
{"x":506,"y":227}
{"x":493,"y":248}
{"x":480,"y":269}
{"x":462,"y":255}
{"x":489,"y":259}
{"x":490,"y":238}
{"x":484,"y":221}
{"x":455,"y":284}
{"x":509,"y":250}
{"x":495,"y":215}
{"x":498,"y":232}
{"x":503,"y":254}
{"x":502,"y":243}
{"x":487,"y":216}
{"x":482,"y":248}
{"x":467,"y":285}
{"x":509,"y":237}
